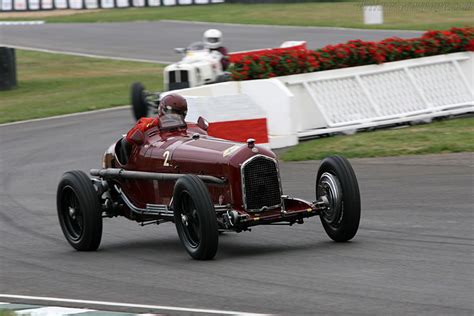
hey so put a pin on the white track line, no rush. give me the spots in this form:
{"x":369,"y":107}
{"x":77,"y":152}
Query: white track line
{"x":8,"y":23}
{"x":67,"y":115}
{"x":160,"y":307}
{"x":85,"y":55}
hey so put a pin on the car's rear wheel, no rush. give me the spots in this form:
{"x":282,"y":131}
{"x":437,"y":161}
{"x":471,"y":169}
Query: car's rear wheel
{"x":336,"y":181}
{"x":139,"y":104}
{"x":79,"y":211}
{"x":195,"y":218}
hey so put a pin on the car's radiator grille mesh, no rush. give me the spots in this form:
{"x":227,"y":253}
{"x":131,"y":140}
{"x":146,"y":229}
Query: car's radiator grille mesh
{"x":261,"y":183}
{"x":172,"y":76}
{"x":178,"y":76}
{"x":184,"y":76}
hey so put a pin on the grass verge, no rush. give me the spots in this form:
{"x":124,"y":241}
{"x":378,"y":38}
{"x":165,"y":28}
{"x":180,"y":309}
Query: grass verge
{"x":447,"y":136}
{"x":400,"y":14}
{"x":54,"y":84}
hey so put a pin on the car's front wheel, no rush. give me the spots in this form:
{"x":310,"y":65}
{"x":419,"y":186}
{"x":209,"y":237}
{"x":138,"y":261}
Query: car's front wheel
{"x":79,"y":211}
{"x":195,"y":218}
{"x":336,"y":182}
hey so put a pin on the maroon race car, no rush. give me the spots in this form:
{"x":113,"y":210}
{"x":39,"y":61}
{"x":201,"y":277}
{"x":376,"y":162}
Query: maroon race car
{"x":204,"y":185}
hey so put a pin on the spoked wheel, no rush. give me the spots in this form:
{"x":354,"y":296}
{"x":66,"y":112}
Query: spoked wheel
{"x":79,"y":211}
{"x":195,"y":218}
{"x":336,"y":182}
{"x":139,"y":104}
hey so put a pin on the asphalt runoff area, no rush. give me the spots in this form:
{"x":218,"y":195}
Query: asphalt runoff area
{"x":413,"y":253}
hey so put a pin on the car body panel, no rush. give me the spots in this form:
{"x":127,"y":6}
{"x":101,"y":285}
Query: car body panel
{"x":189,"y":150}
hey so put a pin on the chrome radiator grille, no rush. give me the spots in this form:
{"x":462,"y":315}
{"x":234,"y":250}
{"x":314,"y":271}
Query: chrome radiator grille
{"x":260,"y":183}
{"x":178,"y":79}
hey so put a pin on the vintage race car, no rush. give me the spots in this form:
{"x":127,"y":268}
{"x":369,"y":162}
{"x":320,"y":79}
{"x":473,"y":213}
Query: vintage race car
{"x":198,"y":67}
{"x":179,"y":174}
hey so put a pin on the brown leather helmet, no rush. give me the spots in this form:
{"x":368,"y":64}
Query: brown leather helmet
{"x":173,"y":103}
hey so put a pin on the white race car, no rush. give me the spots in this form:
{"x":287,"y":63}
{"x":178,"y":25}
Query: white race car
{"x":199,"y":66}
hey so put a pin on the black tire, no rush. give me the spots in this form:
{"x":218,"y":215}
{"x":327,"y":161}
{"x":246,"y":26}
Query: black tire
{"x":195,"y":218}
{"x":79,"y":211}
{"x":139,"y":104}
{"x":337,"y":181}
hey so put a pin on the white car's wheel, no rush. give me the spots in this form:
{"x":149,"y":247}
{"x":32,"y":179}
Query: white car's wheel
{"x":139,"y":104}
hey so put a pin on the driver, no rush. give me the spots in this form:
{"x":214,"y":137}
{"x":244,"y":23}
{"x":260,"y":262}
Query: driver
{"x":171,"y":103}
{"x":212,"y":39}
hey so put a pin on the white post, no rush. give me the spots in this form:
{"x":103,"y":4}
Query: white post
{"x":373,"y":14}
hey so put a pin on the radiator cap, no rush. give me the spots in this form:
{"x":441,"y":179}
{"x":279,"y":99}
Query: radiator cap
{"x":251,"y":143}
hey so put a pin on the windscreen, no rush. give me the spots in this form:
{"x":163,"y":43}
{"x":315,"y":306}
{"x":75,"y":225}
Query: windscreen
{"x":196,"y":46}
{"x":171,"y":121}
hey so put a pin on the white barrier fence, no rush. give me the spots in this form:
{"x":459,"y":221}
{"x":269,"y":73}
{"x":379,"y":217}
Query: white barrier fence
{"x":35,"y":5}
{"x":370,"y":96}
{"x":345,"y":100}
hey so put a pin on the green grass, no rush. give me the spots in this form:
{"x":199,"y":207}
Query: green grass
{"x":448,"y":136}
{"x":53,"y":84}
{"x":401,"y":14}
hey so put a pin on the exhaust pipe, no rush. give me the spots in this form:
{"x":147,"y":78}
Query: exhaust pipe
{"x":116,"y":173}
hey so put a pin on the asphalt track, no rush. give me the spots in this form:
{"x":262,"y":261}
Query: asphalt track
{"x":155,"y":41}
{"x":413,"y":253}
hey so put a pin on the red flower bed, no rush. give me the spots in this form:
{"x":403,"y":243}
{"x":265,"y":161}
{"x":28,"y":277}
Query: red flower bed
{"x":353,"y":53}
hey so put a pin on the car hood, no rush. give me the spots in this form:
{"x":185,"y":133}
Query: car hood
{"x":207,"y":149}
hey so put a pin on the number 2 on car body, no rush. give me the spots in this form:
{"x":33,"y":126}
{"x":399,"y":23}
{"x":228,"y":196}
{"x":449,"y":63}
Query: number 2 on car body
{"x":166,"y":154}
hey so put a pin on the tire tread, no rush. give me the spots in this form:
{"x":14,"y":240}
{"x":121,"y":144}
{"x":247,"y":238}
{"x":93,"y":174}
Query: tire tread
{"x":351,"y":197}
{"x":90,"y":206}
{"x":209,"y":243}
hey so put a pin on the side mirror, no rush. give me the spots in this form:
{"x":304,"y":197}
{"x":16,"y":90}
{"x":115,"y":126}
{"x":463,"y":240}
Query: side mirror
{"x":203,"y":123}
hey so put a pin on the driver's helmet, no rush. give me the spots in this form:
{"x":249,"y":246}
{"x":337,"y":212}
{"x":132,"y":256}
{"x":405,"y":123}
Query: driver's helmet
{"x":173,"y":103}
{"x":212,"y":38}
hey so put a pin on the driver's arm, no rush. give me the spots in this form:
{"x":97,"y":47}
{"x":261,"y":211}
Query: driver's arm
{"x":225,"y":58}
{"x":141,"y":127}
